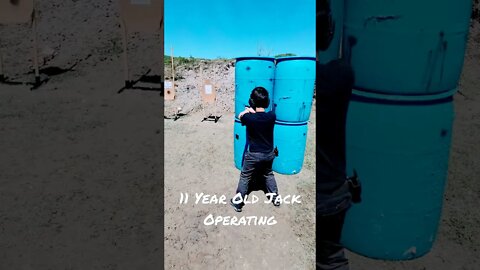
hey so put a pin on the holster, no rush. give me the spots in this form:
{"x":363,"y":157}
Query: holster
{"x":355,"y":187}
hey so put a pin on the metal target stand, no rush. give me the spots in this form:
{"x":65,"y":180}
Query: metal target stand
{"x":176,"y":116}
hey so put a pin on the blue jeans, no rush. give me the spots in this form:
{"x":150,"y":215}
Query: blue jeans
{"x":257,"y":172}
{"x":330,"y":254}
{"x":330,"y":216}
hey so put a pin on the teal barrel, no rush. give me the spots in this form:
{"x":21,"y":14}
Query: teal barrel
{"x":406,"y":47}
{"x":332,"y":53}
{"x":290,"y":140}
{"x":251,"y":72}
{"x":399,"y":145}
{"x":239,"y":141}
{"x":294,"y":87}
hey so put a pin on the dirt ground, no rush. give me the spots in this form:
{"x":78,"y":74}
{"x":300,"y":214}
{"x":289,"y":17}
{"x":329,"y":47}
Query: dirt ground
{"x":191,"y":76}
{"x":80,"y":165}
{"x":199,"y":158}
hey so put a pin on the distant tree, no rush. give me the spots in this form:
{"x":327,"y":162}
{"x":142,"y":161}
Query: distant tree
{"x":262,"y":51}
{"x":285,"y":55}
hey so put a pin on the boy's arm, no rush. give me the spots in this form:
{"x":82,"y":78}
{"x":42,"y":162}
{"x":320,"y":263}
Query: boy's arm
{"x":243,"y":115}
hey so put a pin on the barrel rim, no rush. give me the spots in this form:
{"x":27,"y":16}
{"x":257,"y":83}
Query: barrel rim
{"x":361,"y":94}
{"x":238,"y":59}
{"x":287,"y":123}
{"x":280,"y":59}
{"x":282,"y":123}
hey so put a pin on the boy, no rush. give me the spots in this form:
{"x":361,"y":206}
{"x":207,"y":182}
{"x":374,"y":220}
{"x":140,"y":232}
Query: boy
{"x":258,"y":158}
{"x":334,"y":84}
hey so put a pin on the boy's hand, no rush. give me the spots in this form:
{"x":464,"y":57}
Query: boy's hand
{"x":247,"y":110}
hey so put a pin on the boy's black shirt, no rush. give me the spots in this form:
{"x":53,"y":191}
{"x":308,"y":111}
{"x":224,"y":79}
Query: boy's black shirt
{"x":335,"y":81}
{"x":260,"y":127}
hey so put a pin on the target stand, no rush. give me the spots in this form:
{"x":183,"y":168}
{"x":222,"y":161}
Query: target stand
{"x":142,"y":16}
{"x":178,"y":114}
{"x":209,"y":97}
{"x":21,"y":12}
{"x":212,"y":118}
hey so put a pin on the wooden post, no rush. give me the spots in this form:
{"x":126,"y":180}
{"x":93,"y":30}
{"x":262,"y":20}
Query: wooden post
{"x":2,"y":77}
{"x":125,"y":55}
{"x":173,"y":69}
{"x":201,"y":92}
{"x":35,"y":48}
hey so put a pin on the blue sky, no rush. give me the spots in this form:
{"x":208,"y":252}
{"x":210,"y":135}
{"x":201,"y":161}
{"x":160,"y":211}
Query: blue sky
{"x":234,"y":28}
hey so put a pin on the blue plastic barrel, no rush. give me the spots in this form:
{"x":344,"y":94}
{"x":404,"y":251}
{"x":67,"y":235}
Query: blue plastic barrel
{"x":239,"y":141}
{"x":400,"y":148}
{"x":332,"y":53}
{"x":406,"y":47}
{"x":251,"y":72}
{"x":294,"y":87}
{"x":290,"y":140}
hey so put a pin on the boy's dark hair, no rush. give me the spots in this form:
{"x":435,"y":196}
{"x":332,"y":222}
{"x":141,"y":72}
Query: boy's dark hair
{"x":259,"y":98}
